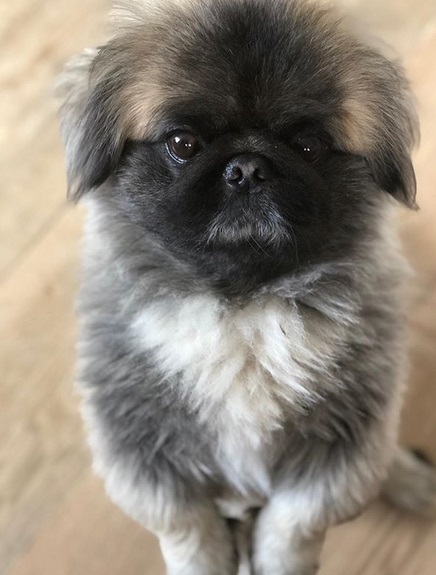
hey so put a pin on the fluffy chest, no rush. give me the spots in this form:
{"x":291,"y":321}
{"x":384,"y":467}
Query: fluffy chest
{"x":240,"y":369}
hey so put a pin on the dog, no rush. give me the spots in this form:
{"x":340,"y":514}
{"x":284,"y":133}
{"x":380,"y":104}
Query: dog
{"x":241,"y":350}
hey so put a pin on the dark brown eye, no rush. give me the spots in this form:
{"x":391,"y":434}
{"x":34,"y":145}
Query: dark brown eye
{"x":311,"y":148}
{"x":182,"y":146}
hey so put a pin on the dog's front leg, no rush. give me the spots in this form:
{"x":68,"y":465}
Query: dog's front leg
{"x":281,"y":545}
{"x":199,"y":543}
{"x":327,"y":484}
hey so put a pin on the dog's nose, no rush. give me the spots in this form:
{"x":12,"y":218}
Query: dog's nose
{"x":246,"y":172}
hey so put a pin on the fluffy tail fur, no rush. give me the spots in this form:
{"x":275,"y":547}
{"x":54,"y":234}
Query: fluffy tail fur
{"x":411,"y":484}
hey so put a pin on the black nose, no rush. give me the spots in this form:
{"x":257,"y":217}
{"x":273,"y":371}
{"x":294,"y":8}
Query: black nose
{"x":246,"y":172}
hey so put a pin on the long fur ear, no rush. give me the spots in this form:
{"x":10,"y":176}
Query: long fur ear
{"x":397,"y":132}
{"x":378,"y":120}
{"x":88,"y":123}
{"x":394,"y":173}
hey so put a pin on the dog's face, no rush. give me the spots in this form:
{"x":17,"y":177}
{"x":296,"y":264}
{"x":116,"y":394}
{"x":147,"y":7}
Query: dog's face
{"x":248,"y":137}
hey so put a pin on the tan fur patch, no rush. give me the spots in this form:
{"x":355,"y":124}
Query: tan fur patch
{"x":356,"y":125}
{"x":140,"y":103}
{"x":143,"y":26}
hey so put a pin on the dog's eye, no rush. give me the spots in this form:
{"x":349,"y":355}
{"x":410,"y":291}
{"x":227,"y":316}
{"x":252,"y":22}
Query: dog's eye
{"x":311,"y":148}
{"x":182,"y":146}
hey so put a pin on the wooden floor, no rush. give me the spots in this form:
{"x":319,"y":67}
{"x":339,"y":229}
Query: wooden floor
{"x":54,"y":517}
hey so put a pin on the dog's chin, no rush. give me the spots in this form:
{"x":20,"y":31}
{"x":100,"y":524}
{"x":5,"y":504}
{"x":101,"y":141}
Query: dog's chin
{"x":244,"y":252}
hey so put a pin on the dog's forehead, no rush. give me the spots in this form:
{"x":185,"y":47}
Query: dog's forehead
{"x":245,"y":62}
{"x":251,"y":65}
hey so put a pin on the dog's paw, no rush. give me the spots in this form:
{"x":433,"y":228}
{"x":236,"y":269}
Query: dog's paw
{"x":411,"y":484}
{"x":292,"y":562}
{"x":283,"y":571}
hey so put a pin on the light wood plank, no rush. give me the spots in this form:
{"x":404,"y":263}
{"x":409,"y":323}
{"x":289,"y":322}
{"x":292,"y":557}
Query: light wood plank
{"x":400,"y":24}
{"x":90,"y":536}
{"x":35,"y":40}
{"x":419,"y":235}
{"x":42,"y":452}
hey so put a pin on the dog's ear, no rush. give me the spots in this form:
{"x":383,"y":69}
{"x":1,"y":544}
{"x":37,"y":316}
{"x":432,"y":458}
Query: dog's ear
{"x":393,"y":172}
{"x":379,"y":120}
{"x":89,"y":121}
{"x":396,"y":132}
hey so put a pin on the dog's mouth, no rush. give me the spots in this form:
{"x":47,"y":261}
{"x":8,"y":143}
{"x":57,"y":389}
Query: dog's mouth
{"x":249,"y":219}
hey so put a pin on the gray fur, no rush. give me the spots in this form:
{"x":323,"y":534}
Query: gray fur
{"x":219,"y":374}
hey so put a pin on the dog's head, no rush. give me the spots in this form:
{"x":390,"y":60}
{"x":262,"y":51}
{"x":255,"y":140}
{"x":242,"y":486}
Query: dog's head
{"x":248,"y":137}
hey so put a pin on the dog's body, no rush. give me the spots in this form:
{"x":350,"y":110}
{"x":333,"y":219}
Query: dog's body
{"x":242,"y":338}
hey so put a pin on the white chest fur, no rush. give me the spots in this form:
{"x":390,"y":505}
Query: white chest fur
{"x":240,"y":368}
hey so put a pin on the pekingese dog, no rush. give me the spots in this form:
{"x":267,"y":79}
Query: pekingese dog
{"x":241,"y":348}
